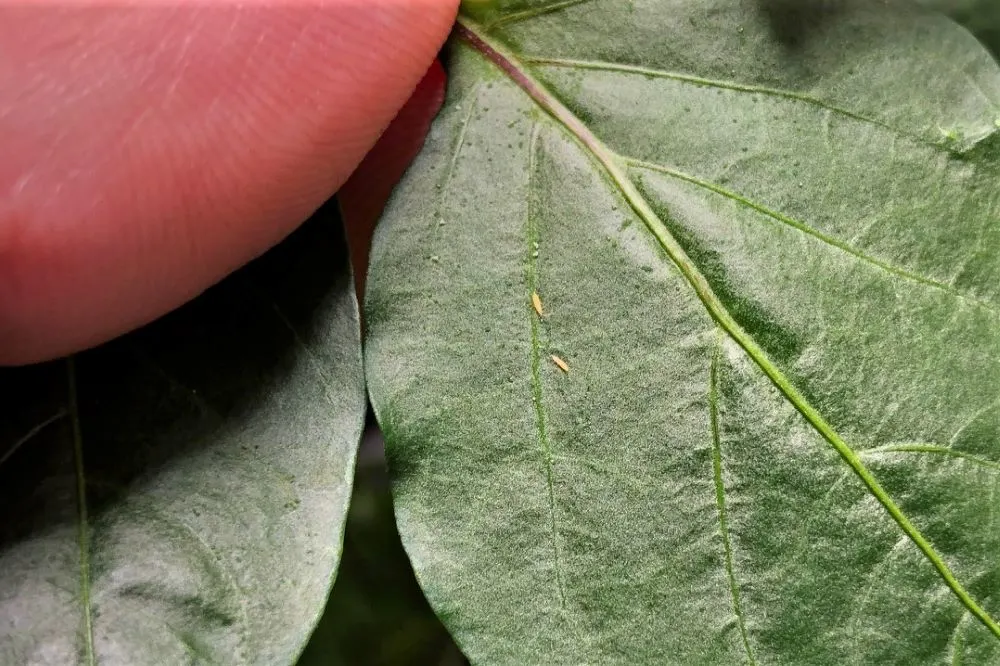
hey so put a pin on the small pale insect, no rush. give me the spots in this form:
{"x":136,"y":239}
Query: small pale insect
{"x":561,"y":364}
{"x":536,"y":303}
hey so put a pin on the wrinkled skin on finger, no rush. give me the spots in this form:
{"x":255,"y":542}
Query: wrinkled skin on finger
{"x":148,"y":151}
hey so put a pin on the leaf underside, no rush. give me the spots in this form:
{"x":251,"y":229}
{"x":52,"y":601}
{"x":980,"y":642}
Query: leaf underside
{"x":765,"y":248}
{"x":178,"y":496}
{"x":981,"y":17}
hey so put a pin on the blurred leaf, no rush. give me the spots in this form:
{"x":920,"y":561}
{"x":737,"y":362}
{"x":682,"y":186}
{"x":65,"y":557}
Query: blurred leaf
{"x":981,"y":17}
{"x":178,"y":496}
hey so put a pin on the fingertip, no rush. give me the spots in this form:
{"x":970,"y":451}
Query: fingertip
{"x":186,"y":142}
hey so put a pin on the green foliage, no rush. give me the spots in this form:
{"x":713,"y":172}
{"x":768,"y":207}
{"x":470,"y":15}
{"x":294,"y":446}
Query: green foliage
{"x":178,"y":496}
{"x":377,"y":615}
{"x":765,"y":242}
{"x":684,"y":334}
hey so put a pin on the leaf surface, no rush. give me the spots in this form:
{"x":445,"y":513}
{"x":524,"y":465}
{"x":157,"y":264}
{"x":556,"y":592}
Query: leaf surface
{"x":981,"y":17}
{"x":178,"y":496}
{"x":765,"y":246}
{"x":377,"y":615}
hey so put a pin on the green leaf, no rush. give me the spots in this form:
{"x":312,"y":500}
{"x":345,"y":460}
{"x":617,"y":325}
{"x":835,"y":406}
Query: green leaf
{"x":765,"y":244}
{"x":178,"y":496}
{"x":377,"y":615}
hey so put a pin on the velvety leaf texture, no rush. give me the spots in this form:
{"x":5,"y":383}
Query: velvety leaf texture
{"x":178,"y":496}
{"x":764,"y":245}
{"x":982,"y":17}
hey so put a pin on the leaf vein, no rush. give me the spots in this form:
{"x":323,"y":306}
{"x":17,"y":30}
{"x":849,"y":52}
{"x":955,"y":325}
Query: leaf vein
{"x":819,"y":235}
{"x":315,"y":362}
{"x":31,"y":434}
{"x":460,"y":141}
{"x":517,"y":17}
{"x":531,"y":276}
{"x":975,"y":417}
{"x":720,"y":496}
{"x":593,"y":65}
{"x":934,"y":450}
{"x":956,"y":642}
{"x":509,"y":64}
{"x":83,"y":535}
{"x":222,"y":567}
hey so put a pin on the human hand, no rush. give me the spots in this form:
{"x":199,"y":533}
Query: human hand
{"x":148,"y":151}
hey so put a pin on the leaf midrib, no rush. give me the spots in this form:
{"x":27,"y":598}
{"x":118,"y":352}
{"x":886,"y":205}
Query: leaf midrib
{"x":843,"y":246}
{"x":503,"y":59}
{"x":83,"y":536}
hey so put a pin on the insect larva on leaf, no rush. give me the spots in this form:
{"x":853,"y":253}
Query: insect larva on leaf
{"x":536,"y":303}
{"x":561,"y":364}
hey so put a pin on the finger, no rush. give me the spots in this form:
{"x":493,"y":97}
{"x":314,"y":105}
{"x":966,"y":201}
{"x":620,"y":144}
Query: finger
{"x":365,"y":193}
{"x":145,"y":152}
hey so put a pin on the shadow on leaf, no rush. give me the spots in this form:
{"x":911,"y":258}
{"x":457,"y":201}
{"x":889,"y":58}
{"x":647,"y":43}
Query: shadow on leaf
{"x":213,"y":452}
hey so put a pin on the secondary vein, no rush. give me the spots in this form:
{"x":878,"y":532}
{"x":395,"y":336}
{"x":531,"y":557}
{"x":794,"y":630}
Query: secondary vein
{"x":570,"y":63}
{"x":84,"y":524}
{"x":720,"y":495}
{"x":818,"y":235}
{"x":31,"y":434}
{"x":956,"y":643}
{"x":526,"y":14}
{"x":508,"y":63}
{"x":225,"y":570}
{"x":460,"y":141}
{"x":934,"y":449}
{"x":531,"y":277}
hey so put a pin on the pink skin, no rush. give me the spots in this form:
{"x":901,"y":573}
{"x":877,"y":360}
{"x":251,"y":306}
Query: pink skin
{"x":147,"y":151}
